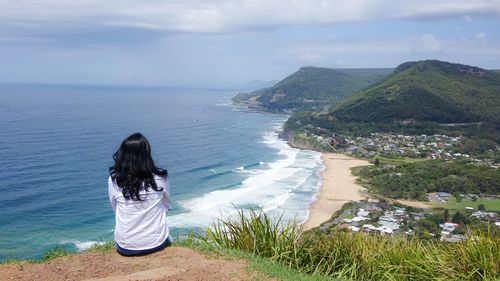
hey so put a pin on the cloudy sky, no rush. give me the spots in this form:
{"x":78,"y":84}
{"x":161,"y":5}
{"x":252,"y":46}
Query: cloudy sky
{"x":221,"y":42}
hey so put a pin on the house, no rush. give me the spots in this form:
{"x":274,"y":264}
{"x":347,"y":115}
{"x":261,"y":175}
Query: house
{"x":354,"y":228}
{"x":358,"y":219}
{"x":388,"y":219}
{"x":399,"y":213}
{"x":417,"y":216}
{"x":389,"y":225}
{"x":362,"y":213}
{"x":347,"y":220}
{"x":344,"y":226}
{"x":479,"y":214}
{"x":433,"y":197}
{"x":448,"y":228}
{"x":353,"y":149}
{"x":444,"y":195}
{"x":385,"y":230}
{"x":368,"y":228}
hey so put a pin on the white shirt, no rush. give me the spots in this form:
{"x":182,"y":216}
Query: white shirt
{"x":141,"y":225}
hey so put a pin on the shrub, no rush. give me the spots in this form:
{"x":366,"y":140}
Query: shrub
{"x":358,"y":256}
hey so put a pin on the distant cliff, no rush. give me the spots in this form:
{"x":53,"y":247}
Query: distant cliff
{"x":311,"y":88}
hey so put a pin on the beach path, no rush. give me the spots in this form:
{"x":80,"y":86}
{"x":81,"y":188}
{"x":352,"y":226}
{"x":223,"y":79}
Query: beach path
{"x":338,"y":187}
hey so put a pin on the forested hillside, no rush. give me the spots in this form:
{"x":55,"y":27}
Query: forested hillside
{"x":312,"y":88}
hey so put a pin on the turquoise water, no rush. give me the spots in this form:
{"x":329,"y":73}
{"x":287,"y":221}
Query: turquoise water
{"x":56,"y":144}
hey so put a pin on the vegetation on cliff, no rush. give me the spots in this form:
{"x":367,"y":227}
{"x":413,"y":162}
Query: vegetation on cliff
{"x":430,"y":90}
{"x":358,"y":256}
{"x":415,"y":180}
{"x":312,"y":88}
{"x":426,"y":97}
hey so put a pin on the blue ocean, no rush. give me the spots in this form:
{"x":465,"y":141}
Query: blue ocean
{"x":57,"y":142}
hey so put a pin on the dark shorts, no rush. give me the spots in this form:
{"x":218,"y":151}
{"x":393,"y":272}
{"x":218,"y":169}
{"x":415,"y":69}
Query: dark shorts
{"x":129,"y":253}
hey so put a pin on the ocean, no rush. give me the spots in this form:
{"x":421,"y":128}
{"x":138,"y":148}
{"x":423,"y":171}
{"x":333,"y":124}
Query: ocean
{"x":57,"y":142}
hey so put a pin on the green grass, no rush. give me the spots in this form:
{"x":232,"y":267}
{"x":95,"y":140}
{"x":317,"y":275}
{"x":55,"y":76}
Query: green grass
{"x":320,"y":87}
{"x":396,"y":160}
{"x":452,"y":204}
{"x":103,"y":247}
{"x":428,"y":90}
{"x":257,"y":264}
{"x":58,"y":252}
{"x":47,"y":256}
{"x":358,"y":256}
{"x":300,"y":139}
{"x":415,"y":180}
{"x":280,"y":250}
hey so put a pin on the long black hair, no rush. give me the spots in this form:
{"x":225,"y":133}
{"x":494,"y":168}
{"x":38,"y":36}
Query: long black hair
{"x":134,"y":168}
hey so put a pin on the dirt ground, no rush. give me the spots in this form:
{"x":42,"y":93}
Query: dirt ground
{"x":413,"y":203}
{"x":173,"y":263}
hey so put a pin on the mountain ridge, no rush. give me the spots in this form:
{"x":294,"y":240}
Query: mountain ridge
{"x":428,"y":90}
{"x":311,"y":88}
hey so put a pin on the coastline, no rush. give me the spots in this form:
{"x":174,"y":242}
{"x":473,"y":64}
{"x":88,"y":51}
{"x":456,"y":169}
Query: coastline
{"x":338,"y":185}
{"x":337,"y":188}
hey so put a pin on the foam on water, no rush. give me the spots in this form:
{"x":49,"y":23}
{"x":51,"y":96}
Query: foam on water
{"x":253,"y":171}
{"x":82,"y":245}
{"x":271,"y":187}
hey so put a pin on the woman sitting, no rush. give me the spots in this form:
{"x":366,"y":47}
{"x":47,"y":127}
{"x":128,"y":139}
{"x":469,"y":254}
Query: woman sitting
{"x":139,"y":193}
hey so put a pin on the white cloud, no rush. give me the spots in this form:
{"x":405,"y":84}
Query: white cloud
{"x":468,"y":18}
{"x":429,"y":44}
{"x":392,"y":52}
{"x":228,"y":15}
{"x":481,"y":36}
{"x":310,"y":57}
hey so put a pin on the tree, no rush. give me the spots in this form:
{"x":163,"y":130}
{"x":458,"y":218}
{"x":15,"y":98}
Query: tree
{"x":437,"y":218}
{"x":425,"y":227}
{"x":377,"y":162}
{"x":458,"y":217}
{"x":446,"y":215}
{"x":481,"y":207}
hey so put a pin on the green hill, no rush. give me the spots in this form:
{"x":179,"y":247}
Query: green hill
{"x":429,"y":90}
{"x":312,"y":88}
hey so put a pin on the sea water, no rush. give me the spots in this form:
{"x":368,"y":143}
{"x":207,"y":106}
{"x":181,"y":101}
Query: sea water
{"x":56,"y":145}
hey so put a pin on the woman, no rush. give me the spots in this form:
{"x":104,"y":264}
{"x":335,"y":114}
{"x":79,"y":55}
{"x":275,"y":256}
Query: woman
{"x":139,"y":193}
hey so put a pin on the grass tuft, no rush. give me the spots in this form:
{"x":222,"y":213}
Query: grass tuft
{"x":101,"y":247}
{"x":357,"y":256}
{"x":55,"y":253}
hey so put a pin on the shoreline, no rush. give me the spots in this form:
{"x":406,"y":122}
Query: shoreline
{"x":338,"y":187}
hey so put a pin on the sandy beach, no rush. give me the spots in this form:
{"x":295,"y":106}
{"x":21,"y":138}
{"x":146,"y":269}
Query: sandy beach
{"x":338,"y":187}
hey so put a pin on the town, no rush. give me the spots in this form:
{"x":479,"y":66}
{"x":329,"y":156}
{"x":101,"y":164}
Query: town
{"x":397,"y":220}
{"x":412,"y":146}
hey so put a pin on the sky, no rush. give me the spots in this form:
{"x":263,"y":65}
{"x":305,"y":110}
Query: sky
{"x":223,"y":43}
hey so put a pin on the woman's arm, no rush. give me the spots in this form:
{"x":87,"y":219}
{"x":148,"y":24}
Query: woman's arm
{"x":112,"y":199}
{"x":166,"y":195}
